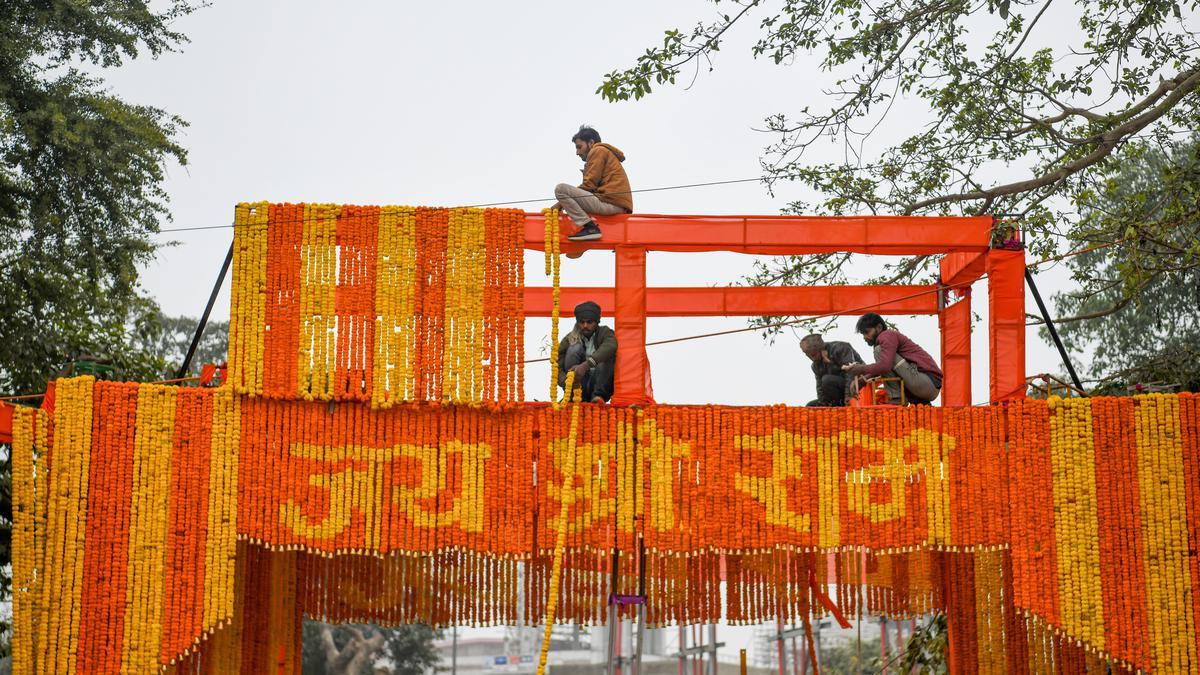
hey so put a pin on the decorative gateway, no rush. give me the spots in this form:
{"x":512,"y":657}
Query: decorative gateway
{"x":368,"y":461}
{"x":157,"y":525}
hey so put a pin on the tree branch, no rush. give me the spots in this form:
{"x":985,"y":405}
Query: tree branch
{"x":1179,"y":86}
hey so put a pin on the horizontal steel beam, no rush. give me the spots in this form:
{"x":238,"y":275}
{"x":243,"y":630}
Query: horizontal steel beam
{"x":749,"y":300}
{"x":777,"y":235}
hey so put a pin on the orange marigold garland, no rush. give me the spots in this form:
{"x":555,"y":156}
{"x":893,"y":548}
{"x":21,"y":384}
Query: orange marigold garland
{"x":381,"y":304}
{"x":665,"y":471}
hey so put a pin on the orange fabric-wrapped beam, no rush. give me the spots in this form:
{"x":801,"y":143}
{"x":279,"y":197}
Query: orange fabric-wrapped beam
{"x":780,"y":235}
{"x":750,"y":300}
{"x":631,"y":381}
{"x":962,"y":268}
{"x":1006,"y":324}
{"x":954,"y":322}
{"x":130,"y":502}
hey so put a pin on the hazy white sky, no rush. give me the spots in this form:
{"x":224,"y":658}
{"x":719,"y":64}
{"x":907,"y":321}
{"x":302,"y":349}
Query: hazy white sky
{"x":464,"y":103}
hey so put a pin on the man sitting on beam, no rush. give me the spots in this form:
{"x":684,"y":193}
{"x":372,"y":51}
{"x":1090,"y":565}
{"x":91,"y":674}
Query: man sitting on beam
{"x":605,"y":187}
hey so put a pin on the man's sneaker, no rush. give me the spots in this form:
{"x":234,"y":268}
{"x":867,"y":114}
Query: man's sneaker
{"x":589,"y":232}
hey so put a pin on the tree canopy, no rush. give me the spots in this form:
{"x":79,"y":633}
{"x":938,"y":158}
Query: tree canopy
{"x":1023,"y":108}
{"x":80,"y":185}
{"x":1136,"y":311}
{"x":81,"y":195}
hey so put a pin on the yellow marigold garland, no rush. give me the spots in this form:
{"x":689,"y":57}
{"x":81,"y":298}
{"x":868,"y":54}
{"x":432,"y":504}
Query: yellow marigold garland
{"x":567,"y":498}
{"x":248,"y":297}
{"x":25,"y":551}
{"x":553,"y":263}
{"x":462,"y":378}
{"x":392,"y":377}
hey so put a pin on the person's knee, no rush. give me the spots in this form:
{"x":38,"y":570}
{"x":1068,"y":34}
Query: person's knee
{"x":562,"y":190}
{"x":575,"y":355}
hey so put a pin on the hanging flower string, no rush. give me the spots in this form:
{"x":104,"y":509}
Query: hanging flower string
{"x":154,"y":525}
{"x":380,"y":304}
{"x":553,"y":265}
{"x":567,"y":493}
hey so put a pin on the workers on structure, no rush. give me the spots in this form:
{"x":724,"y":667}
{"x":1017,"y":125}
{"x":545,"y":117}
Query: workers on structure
{"x":591,"y":351}
{"x":896,"y":356}
{"x":834,"y":386}
{"x":605,"y":187}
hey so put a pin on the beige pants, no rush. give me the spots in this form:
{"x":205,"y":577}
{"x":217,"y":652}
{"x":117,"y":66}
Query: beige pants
{"x":916,"y":384}
{"x":577,"y":203}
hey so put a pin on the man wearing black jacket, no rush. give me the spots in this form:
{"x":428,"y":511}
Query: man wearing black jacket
{"x":834,"y":387}
{"x":591,"y":351}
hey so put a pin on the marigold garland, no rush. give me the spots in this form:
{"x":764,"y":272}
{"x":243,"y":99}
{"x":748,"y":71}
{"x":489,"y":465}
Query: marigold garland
{"x":379,"y":304}
{"x":567,"y":499}
{"x":429,"y":514}
{"x":553,"y":265}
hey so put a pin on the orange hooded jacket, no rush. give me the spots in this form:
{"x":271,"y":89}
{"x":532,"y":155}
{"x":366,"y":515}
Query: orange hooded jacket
{"x":604,"y":176}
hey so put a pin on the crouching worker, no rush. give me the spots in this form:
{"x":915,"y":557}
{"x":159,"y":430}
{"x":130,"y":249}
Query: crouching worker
{"x":591,"y":351}
{"x":834,"y":386}
{"x":896,"y":356}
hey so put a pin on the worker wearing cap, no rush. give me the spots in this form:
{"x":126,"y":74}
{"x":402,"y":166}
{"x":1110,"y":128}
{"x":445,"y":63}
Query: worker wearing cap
{"x":591,"y":351}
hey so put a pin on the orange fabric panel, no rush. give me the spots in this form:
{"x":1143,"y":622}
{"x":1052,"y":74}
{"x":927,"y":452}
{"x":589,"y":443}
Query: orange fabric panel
{"x":779,"y":235}
{"x":963,"y":267}
{"x":749,"y":300}
{"x":6,"y":421}
{"x":1006,"y":324}
{"x":955,"y":325}
{"x":631,"y":383}
{"x":539,"y":300}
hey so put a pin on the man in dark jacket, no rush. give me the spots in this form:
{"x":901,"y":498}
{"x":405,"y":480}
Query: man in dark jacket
{"x":834,"y":386}
{"x":605,"y":187}
{"x":898,"y":357}
{"x":591,"y":351}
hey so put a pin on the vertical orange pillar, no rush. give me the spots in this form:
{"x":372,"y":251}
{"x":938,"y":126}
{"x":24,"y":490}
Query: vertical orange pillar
{"x":631,"y":384}
{"x":955,"y":323}
{"x":1006,"y":324}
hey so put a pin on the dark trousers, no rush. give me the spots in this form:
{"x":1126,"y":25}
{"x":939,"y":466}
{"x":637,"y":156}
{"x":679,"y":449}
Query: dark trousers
{"x":597,"y":382}
{"x":831,"y":392}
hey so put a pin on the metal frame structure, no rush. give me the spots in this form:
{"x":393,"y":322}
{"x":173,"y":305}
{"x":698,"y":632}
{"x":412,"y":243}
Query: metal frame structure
{"x":966,"y":244}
